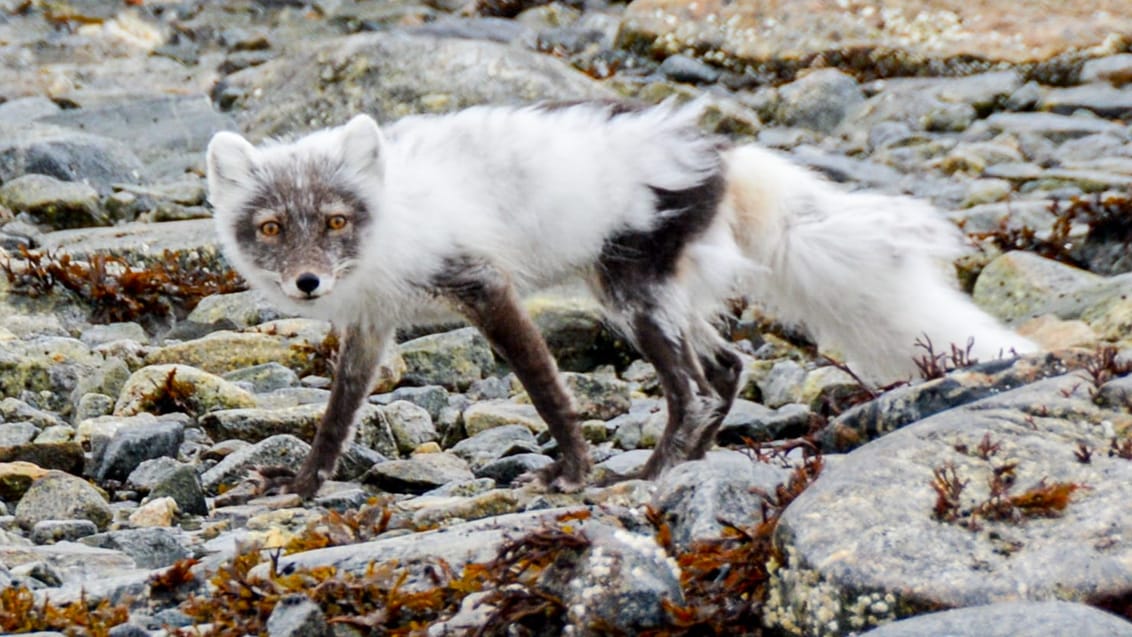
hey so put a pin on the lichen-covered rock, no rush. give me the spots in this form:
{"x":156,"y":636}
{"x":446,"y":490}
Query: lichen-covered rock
{"x":909,"y":404}
{"x":283,"y":450}
{"x":914,"y":521}
{"x":410,"y":425}
{"x":621,"y":582}
{"x":490,"y":414}
{"x":698,"y":498}
{"x":16,"y":478}
{"x":819,"y":100}
{"x":452,"y":360}
{"x":173,"y":387}
{"x":45,"y":364}
{"x":54,"y":203}
{"x":387,"y":74}
{"x":222,"y":352}
{"x":597,"y":396}
{"x":61,"y":496}
{"x":373,"y":429}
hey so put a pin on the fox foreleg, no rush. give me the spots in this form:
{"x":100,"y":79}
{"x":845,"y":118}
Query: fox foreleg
{"x":360,"y":349}
{"x":485,"y":296}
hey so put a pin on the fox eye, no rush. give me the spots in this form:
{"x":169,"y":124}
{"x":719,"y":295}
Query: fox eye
{"x":270,"y":228}
{"x":337,"y":222}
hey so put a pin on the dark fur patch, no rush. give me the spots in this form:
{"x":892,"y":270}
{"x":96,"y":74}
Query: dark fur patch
{"x":634,"y":259}
{"x":484,"y":295}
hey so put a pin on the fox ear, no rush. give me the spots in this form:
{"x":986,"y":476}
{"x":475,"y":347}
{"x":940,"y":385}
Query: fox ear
{"x":363,"y":147}
{"x":231,"y":160}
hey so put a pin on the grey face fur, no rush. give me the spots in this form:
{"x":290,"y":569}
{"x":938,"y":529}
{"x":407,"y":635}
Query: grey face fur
{"x":304,"y":225}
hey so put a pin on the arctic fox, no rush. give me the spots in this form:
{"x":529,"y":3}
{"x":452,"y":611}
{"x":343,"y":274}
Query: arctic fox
{"x":373,"y":230}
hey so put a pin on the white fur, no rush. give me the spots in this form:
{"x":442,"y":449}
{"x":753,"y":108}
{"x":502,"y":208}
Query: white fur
{"x":867,"y":274}
{"x":539,"y":192}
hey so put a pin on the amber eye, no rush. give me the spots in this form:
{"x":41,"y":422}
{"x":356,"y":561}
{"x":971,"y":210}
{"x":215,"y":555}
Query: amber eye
{"x":337,"y":222}
{"x":270,"y":228}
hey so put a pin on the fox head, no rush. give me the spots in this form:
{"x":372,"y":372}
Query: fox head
{"x":292,"y":217}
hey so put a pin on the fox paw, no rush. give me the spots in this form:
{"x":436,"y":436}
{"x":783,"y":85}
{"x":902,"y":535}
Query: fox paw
{"x":561,"y":476}
{"x":277,"y":480}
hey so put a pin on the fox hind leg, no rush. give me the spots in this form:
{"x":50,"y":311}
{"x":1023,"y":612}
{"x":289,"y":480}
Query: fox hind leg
{"x":721,"y":366}
{"x":485,"y":295}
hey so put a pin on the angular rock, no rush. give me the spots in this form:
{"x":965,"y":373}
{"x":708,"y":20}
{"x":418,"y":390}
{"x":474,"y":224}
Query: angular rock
{"x":67,"y":155}
{"x":905,"y":405}
{"x":165,"y":388}
{"x":1106,"y":101}
{"x":621,"y":582}
{"x":411,"y":425}
{"x":53,"y":202}
{"x":282,"y":450}
{"x":495,"y":443}
{"x":245,"y":309}
{"x":155,"y":513}
{"x":386,"y":74}
{"x":596,"y":396}
{"x":16,"y":478}
{"x":819,"y":100}
{"x":150,"y":547}
{"x":1116,"y":69}
{"x":1011,"y":619}
{"x":683,"y":68}
{"x":505,"y":470}
{"x":52,"y":531}
{"x":222,"y":352}
{"x":432,"y":399}
{"x":61,"y":456}
{"x":156,"y":129}
{"x":1057,"y":128}
{"x":132,"y":445}
{"x":749,"y":420}
{"x":490,"y":414}
{"x":373,"y":429}
{"x":60,"y":496}
{"x":838,"y":537}
{"x":96,"y":335}
{"x":297,"y":616}
{"x":697,"y":498}
{"x":450,"y":359}
{"x":1021,"y":285}
{"x":265,"y":377}
{"x":494,"y":502}
{"x":621,"y":466}
{"x":419,"y":473}
{"x":183,"y":486}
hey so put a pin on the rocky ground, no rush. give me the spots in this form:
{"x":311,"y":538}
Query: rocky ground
{"x":139,"y":384}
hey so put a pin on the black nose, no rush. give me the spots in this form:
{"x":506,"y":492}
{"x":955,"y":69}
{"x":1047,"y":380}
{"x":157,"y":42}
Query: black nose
{"x":307,"y":282}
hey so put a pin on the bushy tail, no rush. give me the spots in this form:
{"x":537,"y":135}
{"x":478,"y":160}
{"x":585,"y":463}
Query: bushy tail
{"x":868,"y":275}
